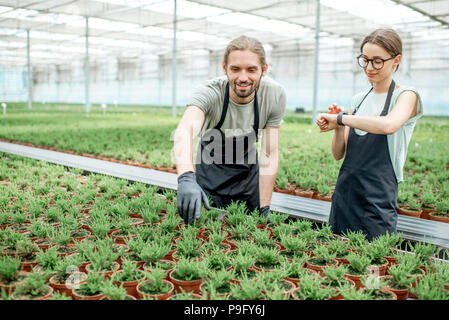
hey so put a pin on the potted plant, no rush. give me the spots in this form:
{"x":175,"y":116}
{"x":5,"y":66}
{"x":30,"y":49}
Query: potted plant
{"x":334,"y":277}
{"x":155,"y":286}
{"x":311,"y":288}
{"x":295,"y":269}
{"x":26,"y":250}
{"x":357,"y":239}
{"x":236,"y":213}
{"x":124,"y":230}
{"x":242,"y":264}
{"x":47,"y":260}
{"x":113,"y":292}
{"x":293,"y":247}
{"x":187,"y":247}
{"x":10,"y":275}
{"x":152,"y":253}
{"x":377,"y":289}
{"x":274,"y":280}
{"x":441,"y":213}
{"x":217,"y":283}
{"x":340,"y":248}
{"x":377,"y":252}
{"x":247,"y":289}
{"x":399,"y":279}
{"x":266,"y":258}
{"x":188,"y":275}
{"x":129,"y":277}
{"x":91,"y":288}
{"x":412,"y":208}
{"x":263,"y":238}
{"x":217,"y":260}
{"x":67,"y":275}
{"x":430,"y":288}
{"x":357,"y":267}
{"x":102,"y":258}
{"x":33,"y":287}
{"x":322,"y":258}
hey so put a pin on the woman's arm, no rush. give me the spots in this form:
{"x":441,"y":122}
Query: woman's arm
{"x":404,"y":109}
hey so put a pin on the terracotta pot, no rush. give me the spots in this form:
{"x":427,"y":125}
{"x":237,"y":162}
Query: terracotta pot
{"x":296,"y":281}
{"x":187,"y":286}
{"x":356,"y":279}
{"x":380,"y":270}
{"x":9,"y":288}
{"x":77,"y":296}
{"x":28,"y":266}
{"x":45,"y":297}
{"x":319,"y":269}
{"x":316,"y":196}
{"x":130,"y":286}
{"x":62,"y":287}
{"x":438,"y":218}
{"x":426,"y":210}
{"x":304,"y":193}
{"x":338,"y":295}
{"x":401,"y":294}
{"x":108,"y":273}
{"x":227,"y":294}
{"x":120,"y":239}
{"x":43,"y":243}
{"x":410,"y":213}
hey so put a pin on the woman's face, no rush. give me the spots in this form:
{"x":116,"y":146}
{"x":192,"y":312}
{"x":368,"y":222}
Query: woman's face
{"x":372,"y":51}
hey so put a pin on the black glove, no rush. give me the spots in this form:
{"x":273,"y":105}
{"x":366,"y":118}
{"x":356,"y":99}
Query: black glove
{"x":190,"y":197}
{"x":265,"y":211}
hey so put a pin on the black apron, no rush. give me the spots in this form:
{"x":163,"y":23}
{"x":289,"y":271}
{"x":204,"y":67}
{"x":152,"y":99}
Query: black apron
{"x":365,"y":196}
{"x":227,"y":167}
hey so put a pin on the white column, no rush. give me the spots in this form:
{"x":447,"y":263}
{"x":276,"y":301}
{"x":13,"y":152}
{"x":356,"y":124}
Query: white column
{"x":30,"y":77}
{"x":317,"y":50}
{"x":174,"y":62}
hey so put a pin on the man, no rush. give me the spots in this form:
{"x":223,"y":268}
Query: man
{"x":228,"y":112}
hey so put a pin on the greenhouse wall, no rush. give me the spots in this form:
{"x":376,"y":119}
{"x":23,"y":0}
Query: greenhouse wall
{"x":149,"y":82}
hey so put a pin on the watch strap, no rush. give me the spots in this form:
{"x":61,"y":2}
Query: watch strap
{"x":340,"y":117}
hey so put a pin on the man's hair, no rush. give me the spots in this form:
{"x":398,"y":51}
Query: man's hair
{"x":385,"y":38}
{"x":243,"y":43}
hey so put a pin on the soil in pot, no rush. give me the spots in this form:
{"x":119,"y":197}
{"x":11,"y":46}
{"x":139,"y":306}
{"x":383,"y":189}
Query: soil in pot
{"x":66,"y":287}
{"x":185,"y":285}
{"x":45,"y":294}
{"x":145,"y":291}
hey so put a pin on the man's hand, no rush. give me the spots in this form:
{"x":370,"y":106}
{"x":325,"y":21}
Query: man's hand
{"x":190,"y":197}
{"x":266,"y":212}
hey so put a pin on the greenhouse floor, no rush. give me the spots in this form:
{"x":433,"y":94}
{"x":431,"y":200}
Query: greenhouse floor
{"x":411,"y":228}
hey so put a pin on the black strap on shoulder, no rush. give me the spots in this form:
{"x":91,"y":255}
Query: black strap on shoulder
{"x":225,"y":108}
{"x":256,"y":116}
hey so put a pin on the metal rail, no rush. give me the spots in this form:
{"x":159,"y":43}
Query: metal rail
{"x":411,"y":228}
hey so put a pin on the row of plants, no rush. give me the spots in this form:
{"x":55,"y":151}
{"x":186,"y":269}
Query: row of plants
{"x":126,"y":241}
{"x":306,"y":168}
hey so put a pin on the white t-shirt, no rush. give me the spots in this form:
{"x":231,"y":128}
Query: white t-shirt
{"x":398,"y":141}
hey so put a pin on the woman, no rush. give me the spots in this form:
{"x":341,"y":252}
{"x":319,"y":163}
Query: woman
{"x":373,"y":138}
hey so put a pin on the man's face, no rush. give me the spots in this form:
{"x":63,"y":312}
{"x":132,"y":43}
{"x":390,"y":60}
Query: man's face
{"x":244,"y":72}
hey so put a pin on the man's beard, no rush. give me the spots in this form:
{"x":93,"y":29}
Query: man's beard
{"x":244,"y":94}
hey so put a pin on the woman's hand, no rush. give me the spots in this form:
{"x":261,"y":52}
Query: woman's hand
{"x":334,"y":109}
{"x":327,"y":122}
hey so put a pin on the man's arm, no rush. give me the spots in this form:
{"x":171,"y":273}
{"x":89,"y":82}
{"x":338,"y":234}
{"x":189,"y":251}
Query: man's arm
{"x":269,"y":163}
{"x":188,"y":128}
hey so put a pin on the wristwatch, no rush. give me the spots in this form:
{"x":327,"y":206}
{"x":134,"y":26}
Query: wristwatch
{"x":339,"y":117}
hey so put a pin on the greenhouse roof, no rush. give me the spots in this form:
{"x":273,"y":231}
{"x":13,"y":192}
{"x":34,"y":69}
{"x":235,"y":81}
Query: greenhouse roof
{"x":119,"y":28}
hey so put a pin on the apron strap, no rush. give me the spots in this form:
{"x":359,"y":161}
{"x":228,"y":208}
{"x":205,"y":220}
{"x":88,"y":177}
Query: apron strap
{"x":387,"y":102}
{"x":225,"y":108}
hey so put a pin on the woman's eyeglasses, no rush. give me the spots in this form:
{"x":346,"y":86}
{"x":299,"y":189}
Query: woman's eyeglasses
{"x":377,"y":63}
